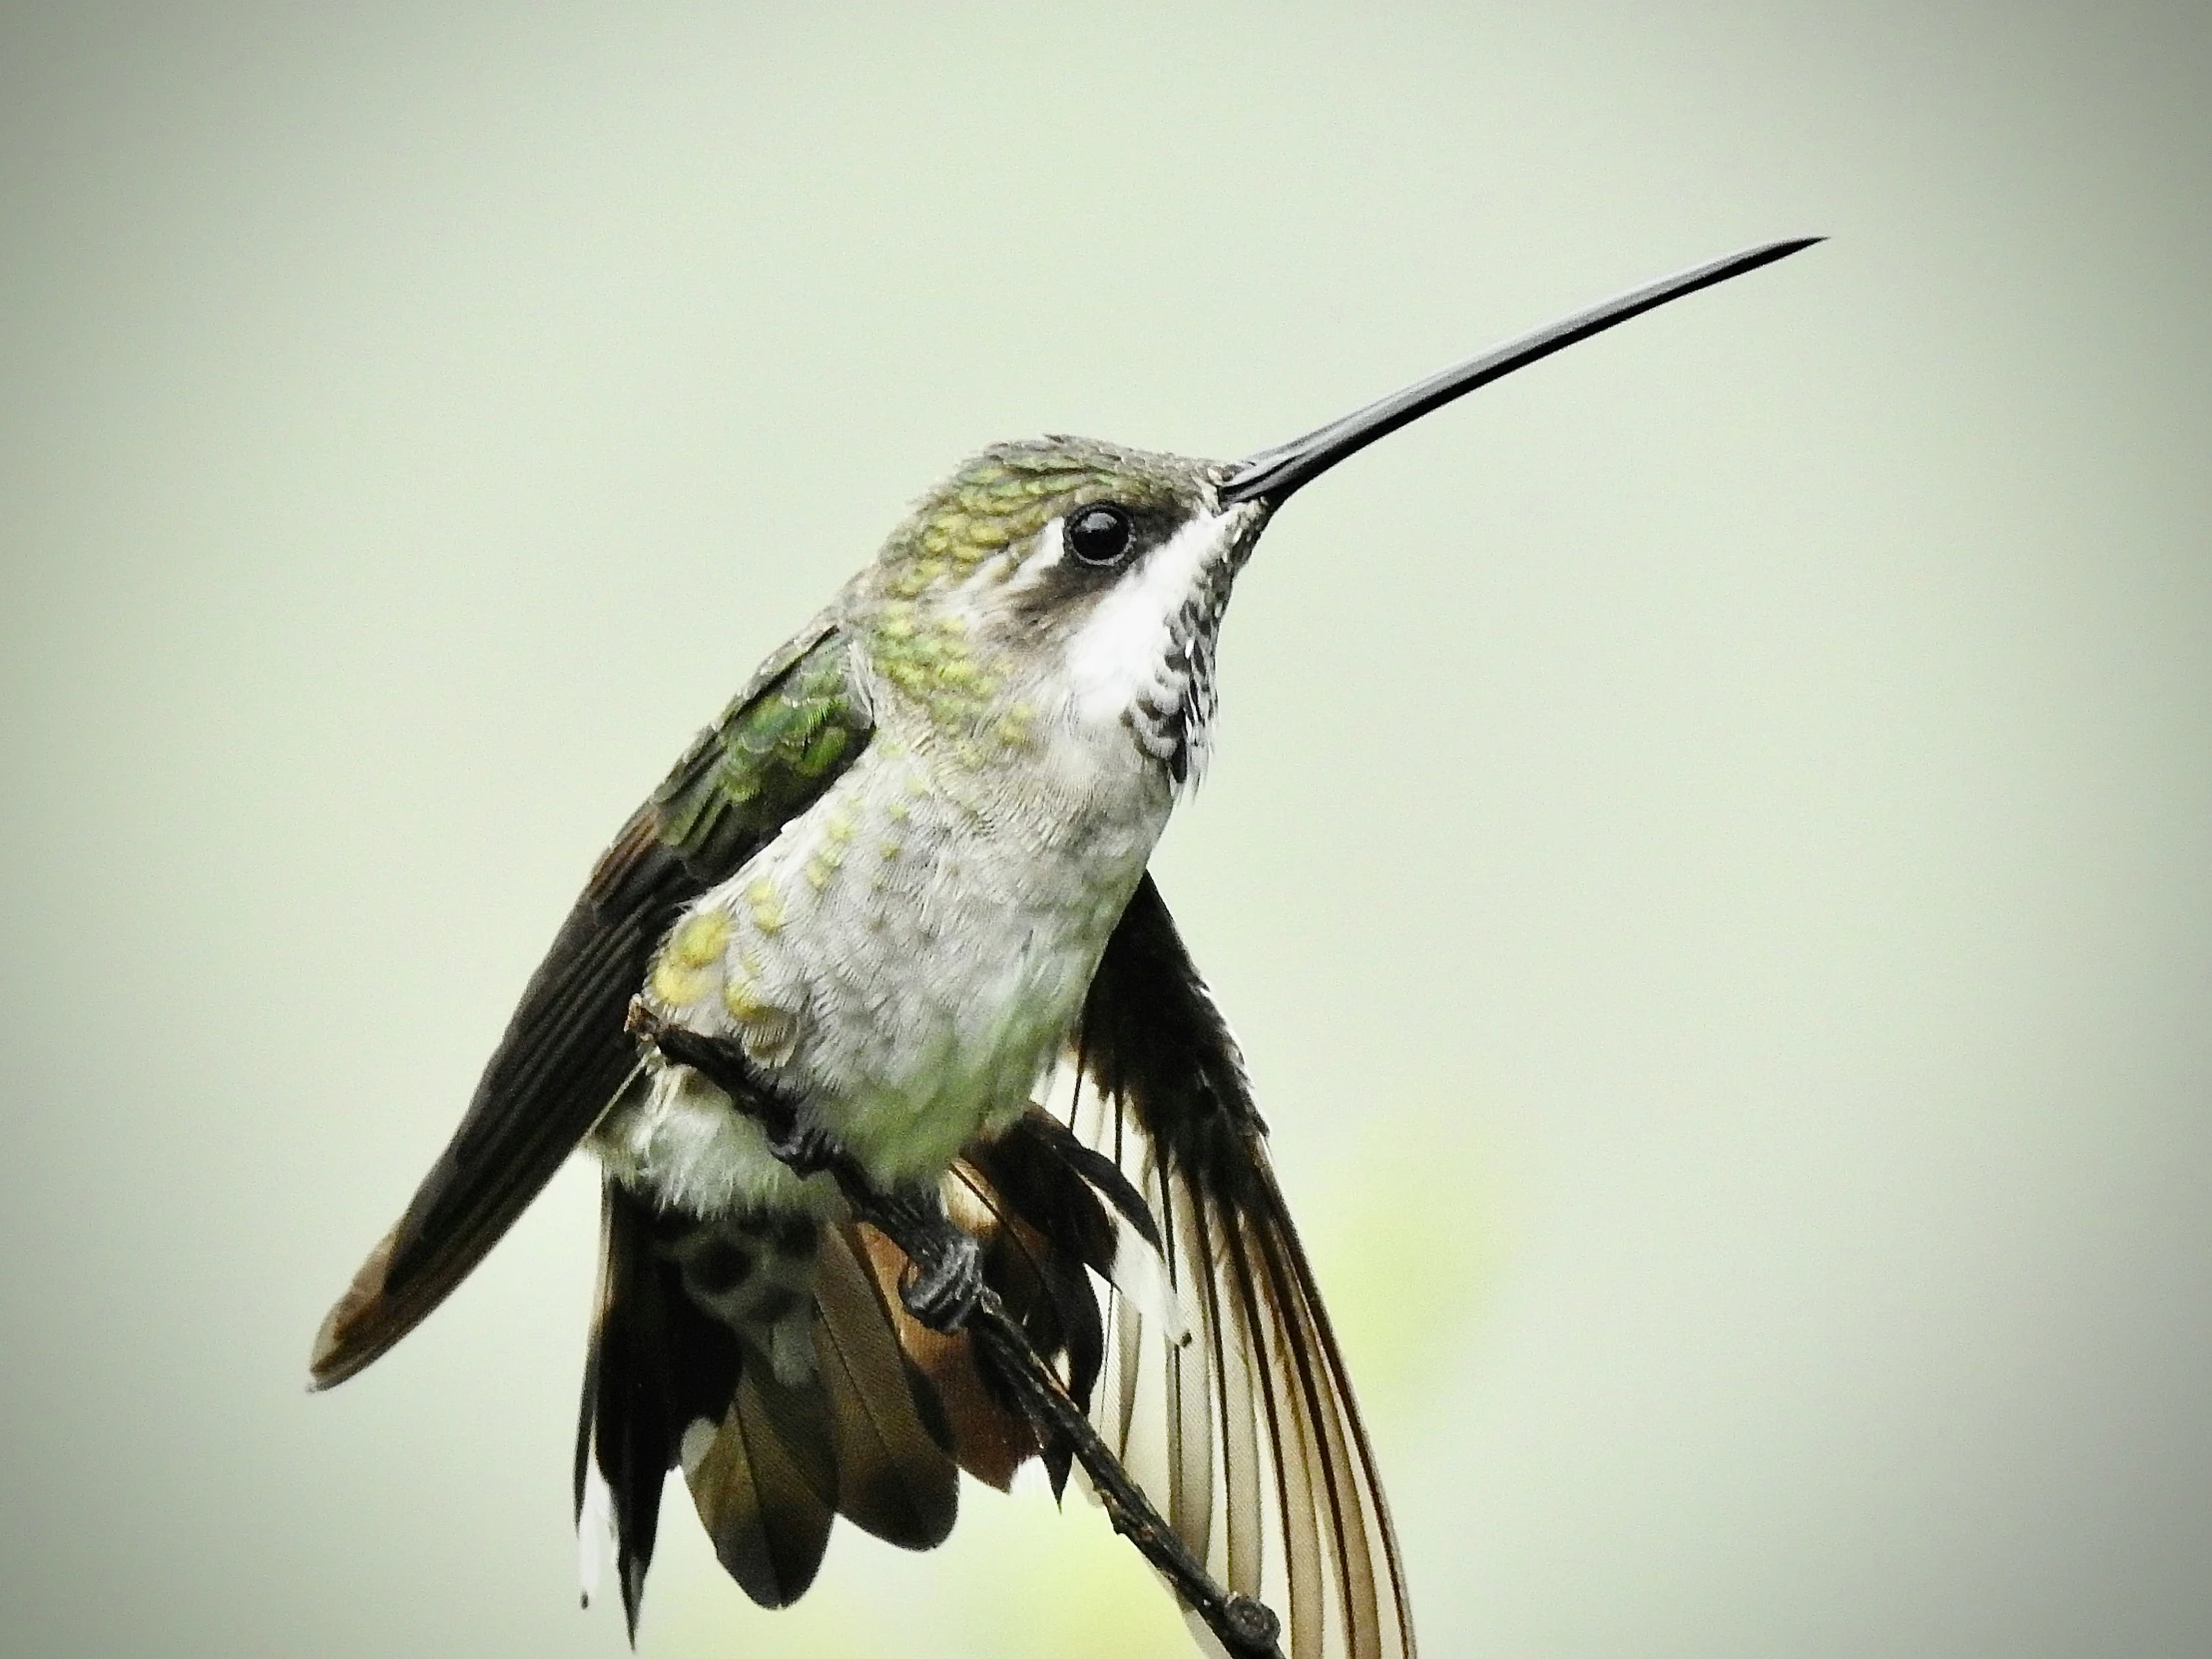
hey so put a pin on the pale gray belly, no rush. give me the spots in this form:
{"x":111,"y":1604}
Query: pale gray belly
{"x":898,"y":962}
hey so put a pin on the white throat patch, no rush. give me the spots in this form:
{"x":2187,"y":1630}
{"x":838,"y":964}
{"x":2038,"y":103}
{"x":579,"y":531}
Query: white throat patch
{"x":1144,"y":656}
{"x":1117,"y":656}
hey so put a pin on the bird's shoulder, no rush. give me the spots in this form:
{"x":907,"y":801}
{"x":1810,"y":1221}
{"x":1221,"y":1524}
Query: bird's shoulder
{"x":801,"y":718}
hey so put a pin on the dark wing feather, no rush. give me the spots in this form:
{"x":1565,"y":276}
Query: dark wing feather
{"x":1258,"y":1457}
{"x":563,"y":1059}
{"x":565,"y":1056}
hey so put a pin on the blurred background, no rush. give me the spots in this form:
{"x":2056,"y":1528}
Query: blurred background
{"x":1708,"y":853}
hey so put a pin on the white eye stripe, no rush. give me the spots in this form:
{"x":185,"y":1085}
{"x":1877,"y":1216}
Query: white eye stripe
{"x":1051,"y":551}
{"x":1118,"y":653}
{"x":1052,"y":545}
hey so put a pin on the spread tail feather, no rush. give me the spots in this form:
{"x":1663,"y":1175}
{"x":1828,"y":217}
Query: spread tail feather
{"x":690,"y":1365}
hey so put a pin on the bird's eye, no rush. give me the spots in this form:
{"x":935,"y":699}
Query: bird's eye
{"x":1100,"y":534}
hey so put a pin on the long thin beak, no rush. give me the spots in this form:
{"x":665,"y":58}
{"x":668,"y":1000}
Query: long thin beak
{"x":1272,"y":474}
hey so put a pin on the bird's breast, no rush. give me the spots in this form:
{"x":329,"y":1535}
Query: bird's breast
{"x":904,"y":959}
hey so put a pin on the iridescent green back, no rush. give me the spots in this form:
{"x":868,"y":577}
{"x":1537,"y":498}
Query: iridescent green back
{"x":776,"y":747}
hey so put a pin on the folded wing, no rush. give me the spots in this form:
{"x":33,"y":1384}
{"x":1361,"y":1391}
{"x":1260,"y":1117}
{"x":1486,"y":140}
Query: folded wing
{"x":564,"y":1056}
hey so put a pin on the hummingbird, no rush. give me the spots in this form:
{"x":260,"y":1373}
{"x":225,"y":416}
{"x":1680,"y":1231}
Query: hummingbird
{"x":902,"y":881}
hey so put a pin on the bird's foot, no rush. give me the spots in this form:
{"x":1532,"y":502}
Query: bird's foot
{"x":947,"y":1280}
{"x":807,"y":1149}
{"x":947,"y":1276}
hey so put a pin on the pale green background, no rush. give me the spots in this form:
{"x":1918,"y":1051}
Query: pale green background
{"x":1709,"y":854}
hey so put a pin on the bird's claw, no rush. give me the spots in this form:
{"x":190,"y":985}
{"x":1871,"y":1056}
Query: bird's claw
{"x":807,"y":1150}
{"x":948,"y":1278}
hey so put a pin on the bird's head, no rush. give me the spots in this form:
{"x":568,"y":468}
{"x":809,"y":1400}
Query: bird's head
{"x":1063,"y":581}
